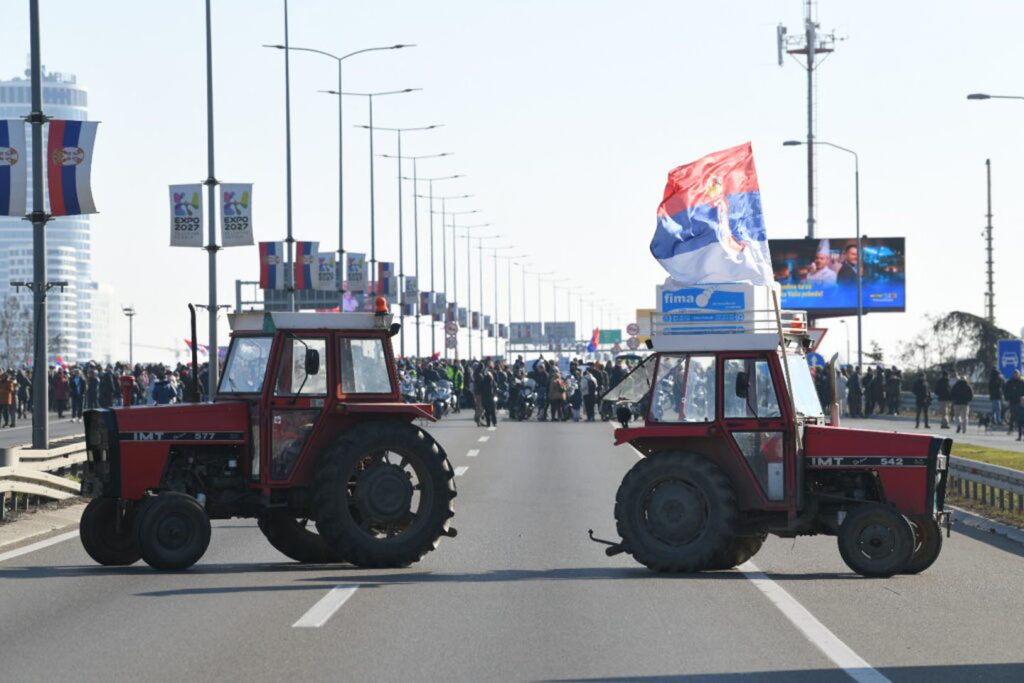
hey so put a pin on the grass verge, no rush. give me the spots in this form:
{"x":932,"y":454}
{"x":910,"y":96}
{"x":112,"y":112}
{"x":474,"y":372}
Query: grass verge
{"x":993,"y":456}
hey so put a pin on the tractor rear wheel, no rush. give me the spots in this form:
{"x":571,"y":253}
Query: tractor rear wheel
{"x":741,"y":549}
{"x":876,"y":541}
{"x":101,"y":538}
{"x":294,"y":538}
{"x":927,"y":546}
{"x":676,"y":512}
{"x":172,"y":530}
{"x":383,"y":493}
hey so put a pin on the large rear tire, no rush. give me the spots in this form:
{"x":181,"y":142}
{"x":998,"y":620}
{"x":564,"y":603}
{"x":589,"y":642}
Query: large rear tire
{"x":927,"y":544}
{"x":876,"y":541}
{"x":676,"y":512}
{"x":101,"y":538}
{"x":293,"y":538}
{"x":741,"y":549}
{"x":383,"y":494}
{"x":172,"y":531}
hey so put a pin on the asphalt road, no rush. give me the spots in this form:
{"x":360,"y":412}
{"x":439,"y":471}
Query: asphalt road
{"x":22,"y":433}
{"x":520,"y":595}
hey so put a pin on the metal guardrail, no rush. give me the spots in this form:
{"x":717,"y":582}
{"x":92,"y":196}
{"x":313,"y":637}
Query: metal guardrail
{"x":993,"y":485}
{"x":28,"y":472}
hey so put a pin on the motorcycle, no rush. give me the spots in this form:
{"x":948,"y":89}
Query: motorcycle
{"x":410,"y":390}
{"x":526,"y":400}
{"x":439,"y":395}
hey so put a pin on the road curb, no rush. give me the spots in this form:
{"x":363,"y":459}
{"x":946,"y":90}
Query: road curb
{"x":985,"y":524}
{"x":37,"y":526}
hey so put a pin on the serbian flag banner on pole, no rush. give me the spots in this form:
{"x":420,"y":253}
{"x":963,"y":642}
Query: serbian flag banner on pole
{"x":271,"y":265}
{"x":68,"y":164}
{"x":710,"y":227}
{"x":13,"y":168}
{"x":305,"y":264}
{"x":595,"y":339}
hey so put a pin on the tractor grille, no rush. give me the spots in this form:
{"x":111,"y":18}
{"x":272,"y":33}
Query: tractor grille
{"x":102,"y":473}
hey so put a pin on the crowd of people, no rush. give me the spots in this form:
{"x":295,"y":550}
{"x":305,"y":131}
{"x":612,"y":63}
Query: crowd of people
{"x":74,"y":388}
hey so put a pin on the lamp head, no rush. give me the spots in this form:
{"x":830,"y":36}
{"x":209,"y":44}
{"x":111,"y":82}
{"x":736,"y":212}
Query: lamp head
{"x":979,"y":96}
{"x":792,"y":143}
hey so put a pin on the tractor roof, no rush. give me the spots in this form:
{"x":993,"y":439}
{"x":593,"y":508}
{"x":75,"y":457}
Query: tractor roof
{"x":266,"y":321}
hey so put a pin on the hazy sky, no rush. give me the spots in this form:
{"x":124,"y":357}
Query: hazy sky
{"x":565,"y":117}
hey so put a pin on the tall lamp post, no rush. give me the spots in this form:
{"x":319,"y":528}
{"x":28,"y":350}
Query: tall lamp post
{"x":860,"y":251}
{"x":469,"y":286}
{"x":444,"y":248}
{"x":401,"y":235}
{"x":129,"y":311}
{"x":341,"y":168}
{"x":480,"y":258}
{"x":496,"y":316}
{"x":509,"y":259}
{"x":455,"y":260}
{"x":373,"y":216}
{"x":416,"y":225}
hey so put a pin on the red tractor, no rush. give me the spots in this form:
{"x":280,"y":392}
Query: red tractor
{"x":307,"y":433}
{"x":735,"y":446}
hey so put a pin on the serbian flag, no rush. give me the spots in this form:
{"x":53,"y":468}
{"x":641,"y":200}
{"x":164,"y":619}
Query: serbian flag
{"x":595,"y":339}
{"x":271,"y":265}
{"x":13,"y":168}
{"x":305,"y":264}
{"x":710,"y":226}
{"x":68,"y":163}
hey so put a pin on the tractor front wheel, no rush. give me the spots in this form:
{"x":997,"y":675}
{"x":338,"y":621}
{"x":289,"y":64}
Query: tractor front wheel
{"x":383,"y":494}
{"x":927,"y":546}
{"x":295,"y":539}
{"x":109,"y":543}
{"x":676,"y":512}
{"x":876,"y":541}
{"x":172,"y":531}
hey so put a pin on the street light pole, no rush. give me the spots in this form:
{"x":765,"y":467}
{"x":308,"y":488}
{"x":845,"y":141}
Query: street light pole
{"x":130,"y":312}
{"x":341,"y":167}
{"x":290,"y":240}
{"x":860,"y":250}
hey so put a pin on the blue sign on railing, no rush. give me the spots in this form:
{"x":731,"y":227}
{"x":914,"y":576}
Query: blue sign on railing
{"x":816,"y":360}
{"x":1010,"y":353}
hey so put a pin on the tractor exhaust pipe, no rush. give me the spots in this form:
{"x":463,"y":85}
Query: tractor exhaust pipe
{"x":195,"y":356}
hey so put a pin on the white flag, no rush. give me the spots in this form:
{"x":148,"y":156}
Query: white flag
{"x":13,"y":168}
{"x":187,"y":215}
{"x":236,"y":214}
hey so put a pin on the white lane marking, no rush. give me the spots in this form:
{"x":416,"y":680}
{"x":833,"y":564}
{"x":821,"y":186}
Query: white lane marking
{"x":459,"y":471}
{"x":11,"y":554}
{"x":325,"y":608}
{"x":473,"y":453}
{"x":483,"y":439}
{"x":815,"y":631}
{"x":492,"y":428}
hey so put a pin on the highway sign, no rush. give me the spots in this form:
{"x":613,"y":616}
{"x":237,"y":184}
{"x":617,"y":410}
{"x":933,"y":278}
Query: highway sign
{"x":610,"y":336}
{"x":632,"y":329}
{"x":451,"y":327}
{"x":1010,"y":353}
{"x":633,"y":343}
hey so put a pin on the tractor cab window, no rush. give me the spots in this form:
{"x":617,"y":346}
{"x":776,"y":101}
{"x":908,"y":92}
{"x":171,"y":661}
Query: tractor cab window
{"x":364,"y":367}
{"x":298,"y":374}
{"x":246,"y":365}
{"x":749,"y":389}
{"x":684,"y":390}
{"x":805,"y":396}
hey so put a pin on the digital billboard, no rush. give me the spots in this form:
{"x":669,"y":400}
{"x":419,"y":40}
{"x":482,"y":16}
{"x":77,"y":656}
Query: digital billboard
{"x":820,"y":275}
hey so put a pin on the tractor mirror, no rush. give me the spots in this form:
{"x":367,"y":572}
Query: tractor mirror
{"x":312,"y":362}
{"x":742,"y":384}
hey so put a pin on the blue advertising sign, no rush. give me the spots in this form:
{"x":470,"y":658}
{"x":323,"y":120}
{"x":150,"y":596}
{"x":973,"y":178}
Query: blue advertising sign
{"x":820,"y":275}
{"x":1010,"y":353}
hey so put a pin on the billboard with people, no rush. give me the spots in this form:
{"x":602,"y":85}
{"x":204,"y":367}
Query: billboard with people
{"x":820,"y":275}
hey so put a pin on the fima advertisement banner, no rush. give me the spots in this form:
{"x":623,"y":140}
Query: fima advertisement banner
{"x":820,"y":275}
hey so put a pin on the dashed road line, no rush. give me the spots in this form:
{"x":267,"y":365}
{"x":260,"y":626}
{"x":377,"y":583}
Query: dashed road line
{"x":459,"y":471}
{"x":325,"y":608}
{"x":816,"y":632}
{"x":473,"y":453}
{"x":39,"y":545}
{"x":483,"y":439}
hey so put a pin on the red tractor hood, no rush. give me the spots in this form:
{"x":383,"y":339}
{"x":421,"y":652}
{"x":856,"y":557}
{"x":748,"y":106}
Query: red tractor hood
{"x":226,"y":421}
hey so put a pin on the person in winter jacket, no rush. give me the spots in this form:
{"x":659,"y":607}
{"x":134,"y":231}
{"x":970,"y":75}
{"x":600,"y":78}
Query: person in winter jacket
{"x":942,"y":394}
{"x":61,"y":392}
{"x":1014,"y":393}
{"x":77,"y":388}
{"x":995,"y":394}
{"x":107,"y":389}
{"x":961,"y":394}
{"x":854,"y":394}
{"x":556,"y":395}
{"x":589,"y":386}
{"x":8,"y":398}
{"x":163,"y":392}
{"x":922,"y":399}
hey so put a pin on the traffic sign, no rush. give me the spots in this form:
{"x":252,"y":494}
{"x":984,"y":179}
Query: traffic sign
{"x":633,"y":343}
{"x":1010,"y":353}
{"x":617,"y":349}
{"x":451,"y":327}
{"x":816,"y":360}
{"x":632,"y":329}
{"x":451,"y":342}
